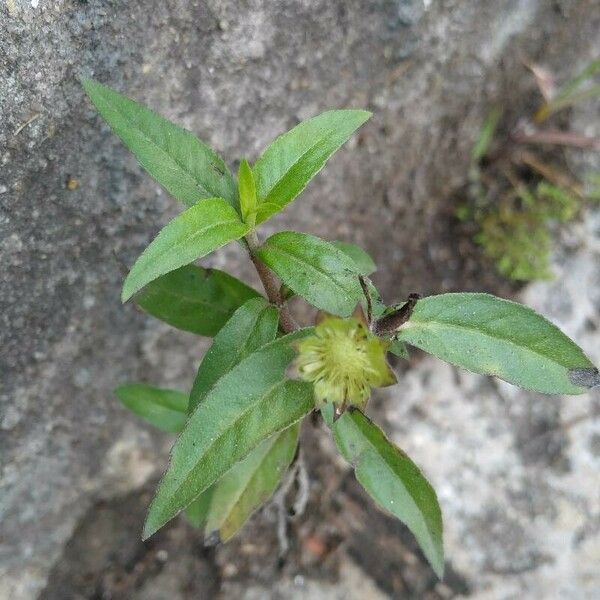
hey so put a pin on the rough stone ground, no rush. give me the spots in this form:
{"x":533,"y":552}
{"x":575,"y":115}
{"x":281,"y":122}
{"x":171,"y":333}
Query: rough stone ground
{"x":517,"y":474}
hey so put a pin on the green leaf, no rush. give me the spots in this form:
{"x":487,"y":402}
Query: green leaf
{"x":194,"y":299}
{"x":197,"y":512}
{"x":557,"y":104}
{"x":249,"y":484}
{"x":245,"y":406}
{"x":244,"y":487}
{"x":399,"y":349}
{"x":393,"y":481}
{"x":186,"y":167}
{"x":194,"y":233}
{"x":247,"y":190}
{"x":486,"y":135}
{"x":488,"y":335}
{"x":568,"y":94}
{"x":295,"y":157}
{"x":165,"y":409}
{"x":252,"y":326}
{"x":314,"y":269}
{"x":364,"y":263}
{"x":587,"y":73}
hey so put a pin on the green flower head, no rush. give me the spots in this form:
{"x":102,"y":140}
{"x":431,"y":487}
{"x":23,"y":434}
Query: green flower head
{"x":344,"y":360}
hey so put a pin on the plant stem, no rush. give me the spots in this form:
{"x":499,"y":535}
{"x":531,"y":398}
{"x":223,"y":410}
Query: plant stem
{"x":552,"y":174}
{"x":271,"y":285}
{"x":557,"y":138}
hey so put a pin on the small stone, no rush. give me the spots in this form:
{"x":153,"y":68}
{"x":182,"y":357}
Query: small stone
{"x":230,"y":570}
{"x":71,"y":183}
{"x":162,"y":556}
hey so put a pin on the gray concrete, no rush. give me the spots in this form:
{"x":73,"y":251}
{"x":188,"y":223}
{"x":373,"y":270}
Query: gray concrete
{"x":238,"y":74}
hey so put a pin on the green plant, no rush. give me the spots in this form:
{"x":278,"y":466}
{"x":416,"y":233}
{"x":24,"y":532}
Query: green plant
{"x":516,"y":197}
{"x":239,"y":426}
{"x":569,"y":94}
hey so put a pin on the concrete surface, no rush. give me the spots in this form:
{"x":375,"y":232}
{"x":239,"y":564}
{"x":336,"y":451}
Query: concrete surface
{"x":521,"y":504}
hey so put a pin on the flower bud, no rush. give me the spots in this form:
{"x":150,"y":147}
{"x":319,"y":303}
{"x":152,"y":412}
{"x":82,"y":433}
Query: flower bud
{"x":344,"y":360}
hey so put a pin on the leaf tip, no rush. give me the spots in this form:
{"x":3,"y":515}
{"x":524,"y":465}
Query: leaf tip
{"x":588,"y":377}
{"x":86,"y":82}
{"x":438,"y":566}
{"x":119,"y":391}
{"x":360,"y":114}
{"x":90,"y":86}
{"x":127,"y":291}
{"x":147,"y":532}
{"x":154,"y":519}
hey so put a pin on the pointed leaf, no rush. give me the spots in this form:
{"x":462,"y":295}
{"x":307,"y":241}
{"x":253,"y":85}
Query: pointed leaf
{"x":247,"y":191}
{"x":486,"y":135}
{"x":192,"y":234}
{"x":364,"y":263}
{"x":488,"y":335}
{"x":250,"y":483}
{"x":568,"y":94}
{"x":165,"y":409}
{"x":393,"y":481}
{"x":252,"y":326}
{"x":186,"y":167}
{"x":246,"y":406}
{"x":591,"y":69}
{"x":194,"y":299}
{"x":314,"y":269}
{"x":295,"y":157}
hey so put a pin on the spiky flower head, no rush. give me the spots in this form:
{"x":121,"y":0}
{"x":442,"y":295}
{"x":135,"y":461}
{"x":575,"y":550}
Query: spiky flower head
{"x":344,"y":360}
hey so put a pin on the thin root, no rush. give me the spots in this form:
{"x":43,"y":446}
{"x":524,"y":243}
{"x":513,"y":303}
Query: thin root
{"x":296,"y":474}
